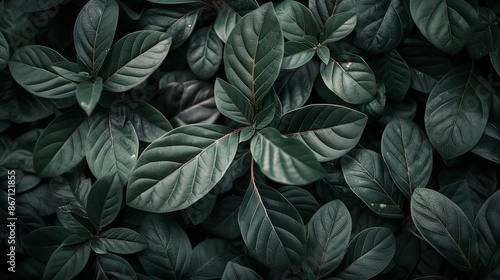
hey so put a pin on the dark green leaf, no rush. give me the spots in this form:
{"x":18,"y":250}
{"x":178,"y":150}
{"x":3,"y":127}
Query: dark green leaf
{"x":349,"y":77}
{"x":123,"y":241}
{"x":445,"y":226}
{"x":284,"y":159}
{"x":40,"y":197}
{"x":297,"y":54}
{"x":75,"y":219}
{"x":232,"y":103}
{"x":457,"y":111}
{"x":209,"y":259}
{"x":111,"y":147}
{"x":271,"y":227}
{"x":98,"y":246}
{"x":393,"y":71}
{"x":375,"y":108}
{"x":30,"y":67}
{"x":223,"y":221}
{"x":67,"y":262}
{"x":42,"y":242}
{"x":4,"y":52}
{"x":61,"y":147}
{"x":225,"y":21}
{"x":486,"y":35}
{"x":168,"y":248}
{"x":324,"y":9}
{"x":488,"y":146}
{"x":30,"y":268}
{"x":296,"y":20}
{"x":94,"y":32}
{"x":323,"y":54}
{"x":405,"y":258}
{"x":340,"y":24}
{"x":254,"y":67}
{"x":70,"y":70}
{"x":488,"y":233}
{"x":408,"y":155}
{"x":88,"y":94}
{"x":133,"y":58}
{"x":459,"y":193}
{"x":302,"y":200}
{"x":329,"y":131}
{"x":368,"y":254}
{"x":149,"y":123}
{"x":247,"y":133}
{"x":448,"y":25}
{"x":237,"y":271}
{"x":111,"y":266}
{"x":105,"y":200}
{"x":266,"y":110}
{"x":201,"y":209}
{"x":186,"y":162}
{"x":329,"y":232}
{"x":495,"y":59}
{"x":204,"y":52}
{"x":368,"y":177}
{"x":424,"y":58}
{"x":31,"y":5}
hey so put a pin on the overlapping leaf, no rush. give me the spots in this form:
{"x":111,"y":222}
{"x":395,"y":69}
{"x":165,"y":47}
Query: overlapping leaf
{"x":111,"y":266}
{"x":294,"y":86}
{"x":486,"y":35}
{"x":4,"y":52}
{"x":67,"y":262}
{"x":88,"y":94}
{"x":488,"y":233}
{"x":209,"y":259}
{"x":393,"y":71}
{"x":237,"y":271}
{"x":123,"y":240}
{"x":148,"y":122}
{"x":296,"y":20}
{"x":105,"y":200}
{"x":204,"y":52}
{"x":340,"y":24}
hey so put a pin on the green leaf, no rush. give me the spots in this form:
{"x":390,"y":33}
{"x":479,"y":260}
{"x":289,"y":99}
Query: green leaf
{"x":284,"y":159}
{"x":133,"y":58}
{"x":408,"y":155}
{"x":237,"y":271}
{"x":88,"y":94}
{"x":424,"y":58}
{"x":303,"y":201}
{"x":329,"y":232}
{"x":204,"y":52}
{"x":375,"y":108}
{"x":323,"y":54}
{"x":94,"y":32}
{"x":70,"y":70}
{"x":42,"y":242}
{"x":4,"y":52}
{"x":296,"y":20}
{"x":123,"y":241}
{"x":329,"y":131}
{"x":209,"y":259}
{"x":105,"y":200}
{"x":254,"y":67}
{"x":349,"y":77}
{"x":111,"y":147}
{"x":31,"y":5}
{"x":232,"y":103}
{"x":297,"y":54}
{"x":340,"y":24}
{"x":111,"y":266}
{"x":445,"y":227}
{"x":457,"y":111}
{"x":495,"y":59}
{"x":149,"y":123}
{"x":459,"y":193}
{"x":30,"y":67}
{"x":324,"y":9}
{"x":486,"y":35}
{"x":266,"y":110}
{"x":382,"y":25}
{"x":168,"y":248}
{"x":186,"y":162}
{"x":448,"y":25}
{"x":488,"y":146}
{"x":67,"y":262}
{"x":393,"y":71}
{"x":488,"y":233}
{"x":201,"y":209}
{"x":271,"y":227}
{"x":368,"y":254}
{"x":60,"y":147}
{"x":223,"y":221}
{"x":368,"y":177}
{"x":225,"y":21}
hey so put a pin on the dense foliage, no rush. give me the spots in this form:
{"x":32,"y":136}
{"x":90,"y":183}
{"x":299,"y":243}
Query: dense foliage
{"x":244,"y":139}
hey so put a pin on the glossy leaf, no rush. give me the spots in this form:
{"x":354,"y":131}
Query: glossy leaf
{"x":94,"y":32}
{"x":368,"y":177}
{"x":329,"y":232}
{"x":30,"y":67}
{"x":408,"y":155}
{"x":349,"y":77}
{"x":368,"y":254}
{"x":486,"y":35}
{"x":4,"y":52}
{"x":111,"y":266}
{"x":133,"y":58}
{"x":457,"y":111}
{"x":237,"y":271}
{"x":329,"y":131}
{"x":252,"y":69}
{"x":459,"y":193}
{"x":340,"y":24}
{"x":284,"y":159}
{"x":296,"y":20}
{"x":88,"y":94}
{"x":271,"y":227}
{"x":187,"y":163}
{"x":105,"y":200}
{"x":67,"y":262}
{"x":123,"y":241}
{"x":168,"y":248}
{"x":487,"y":230}
{"x":111,"y":148}
{"x":448,"y":25}
{"x":148,"y":122}
{"x":393,"y":71}
{"x":61,"y":146}
{"x":42,"y":242}
{"x":225,"y":21}
{"x":209,"y":259}
{"x":232,"y":103}
{"x":302,"y":199}
{"x":297,"y":54}
{"x":488,"y":146}
{"x":204,"y":52}
{"x":445,"y":226}
{"x":324,"y":9}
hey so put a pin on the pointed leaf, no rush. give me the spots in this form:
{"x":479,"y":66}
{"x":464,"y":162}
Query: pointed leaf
{"x":488,"y":233}
{"x":459,"y":193}
{"x":297,"y":54}
{"x":368,"y":254}
{"x":323,"y":54}
{"x":303,"y":201}
{"x":296,"y":20}
{"x":393,"y":71}
{"x":67,"y":262}
{"x":457,"y":111}
{"x":204,"y":52}
{"x":94,"y":32}
{"x":4,"y":52}
{"x":225,"y":21}
{"x":70,"y":70}
{"x":123,"y":241}
{"x":486,"y":35}
{"x":324,"y":9}
{"x":271,"y":227}
{"x":349,"y":77}
{"x":284,"y":159}
{"x":30,"y":67}
{"x":488,"y":146}
{"x":133,"y":58}
{"x":149,"y":123}
{"x":368,"y":177}
{"x":186,"y":162}
{"x":209,"y":259}
{"x":408,"y":155}
{"x":237,"y":271}
{"x":254,"y":67}
{"x":111,"y":266}
{"x":445,"y":227}
{"x":88,"y":94}
{"x":330,"y":131}
{"x":232,"y":103}
{"x":105,"y":200}
{"x":448,"y":25}
{"x":340,"y":24}
{"x":329,"y":232}
{"x":61,"y":146}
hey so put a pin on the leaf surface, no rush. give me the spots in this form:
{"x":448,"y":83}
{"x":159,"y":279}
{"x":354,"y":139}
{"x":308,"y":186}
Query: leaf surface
{"x":105,"y":200}
{"x":123,"y":241}
{"x":67,"y":262}
{"x":204,"y":52}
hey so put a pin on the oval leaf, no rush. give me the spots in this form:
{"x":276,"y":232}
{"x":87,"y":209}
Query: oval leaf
{"x":296,"y":20}
{"x":393,"y":71}
{"x":237,"y":271}
{"x":149,"y":123}
{"x":67,"y":262}
{"x":88,"y":94}
{"x":340,"y":24}
{"x":123,"y":241}
{"x":486,"y":35}
{"x":111,"y":266}
{"x":204,"y":52}
{"x":186,"y":162}
{"x":223,"y":221}
{"x":42,"y":242}
{"x":209,"y":259}
{"x":105,"y":200}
